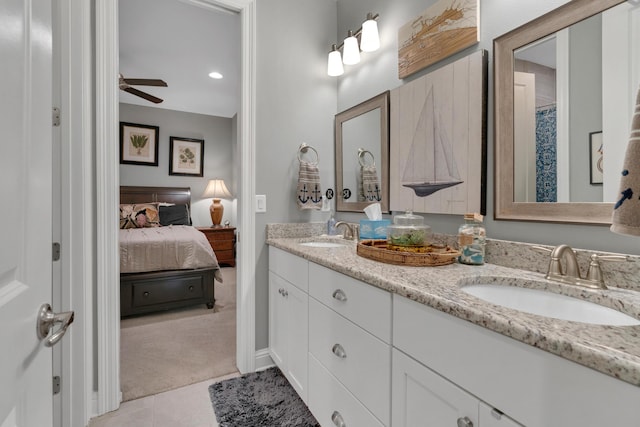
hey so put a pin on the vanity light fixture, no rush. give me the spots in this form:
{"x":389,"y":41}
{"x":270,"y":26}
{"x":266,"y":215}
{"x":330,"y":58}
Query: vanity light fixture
{"x":334,"y":67}
{"x":351,"y":50}
{"x":369,"y":42}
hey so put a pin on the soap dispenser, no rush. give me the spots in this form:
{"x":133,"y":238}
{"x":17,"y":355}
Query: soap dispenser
{"x":331,"y":225}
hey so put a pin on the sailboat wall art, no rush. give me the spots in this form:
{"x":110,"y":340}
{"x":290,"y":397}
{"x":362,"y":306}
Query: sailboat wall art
{"x":438,"y":140}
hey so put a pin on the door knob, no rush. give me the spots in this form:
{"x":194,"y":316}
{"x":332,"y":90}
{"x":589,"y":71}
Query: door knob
{"x":46,"y":319}
{"x":464,"y":422}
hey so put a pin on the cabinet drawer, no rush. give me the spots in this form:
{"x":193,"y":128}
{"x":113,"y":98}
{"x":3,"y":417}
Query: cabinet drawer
{"x":224,"y":256}
{"x":221,"y":235}
{"x":363,"y":304}
{"x":328,"y":398}
{"x":364,"y":357}
{"x":221,"y":245}
{"x":292,"y":268}
{"x":151,"y":292}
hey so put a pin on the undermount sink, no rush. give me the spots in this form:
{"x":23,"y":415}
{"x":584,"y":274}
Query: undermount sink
{"x":322,"y":244}
{"x":549,"y":304}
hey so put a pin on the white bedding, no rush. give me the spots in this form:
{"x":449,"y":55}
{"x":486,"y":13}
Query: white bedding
{"x":175,"y":247}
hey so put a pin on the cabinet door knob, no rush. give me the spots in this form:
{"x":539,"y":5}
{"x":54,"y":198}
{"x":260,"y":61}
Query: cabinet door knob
{"x":190,"y":288}
{"x":338,"y":350}
{"x":340,"y":295}
{"x":281,"y":291}
{"x":145,"y":294}
{"x":464,"y":422}
{"x":337,"y":419}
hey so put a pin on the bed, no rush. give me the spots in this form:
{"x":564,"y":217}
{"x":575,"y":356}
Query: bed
{"x":163,"y":267}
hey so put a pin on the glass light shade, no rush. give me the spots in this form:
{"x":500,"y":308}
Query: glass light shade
{"x":216,"y":189}
{"x":334,"y":66}
{"x":370,"y":40}
{"x":351,"y":52}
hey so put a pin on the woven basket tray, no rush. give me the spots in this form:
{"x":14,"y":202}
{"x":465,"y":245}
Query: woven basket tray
{"x":377,"y":251}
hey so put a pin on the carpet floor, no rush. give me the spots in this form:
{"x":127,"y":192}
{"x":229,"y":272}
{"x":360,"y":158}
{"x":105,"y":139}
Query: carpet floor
{"x":260,"y":399}
{"x":165,"y":351}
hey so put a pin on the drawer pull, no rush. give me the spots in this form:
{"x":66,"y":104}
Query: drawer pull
{"x":190,"y":288}
{"x":464,"y":422}
{"x":337,"y":419}
{"x":496,"y":414}
{"x":338,"y":350}
{"x":145,"y":294}
{"x":340,"y":295}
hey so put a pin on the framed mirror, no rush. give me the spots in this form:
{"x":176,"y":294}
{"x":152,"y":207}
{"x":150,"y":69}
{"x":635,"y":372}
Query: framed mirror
{"x":553,"y":81}
{"x":362,"y":155}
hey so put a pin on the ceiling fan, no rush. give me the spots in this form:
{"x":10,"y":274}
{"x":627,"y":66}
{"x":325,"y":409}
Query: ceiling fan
{"x":126,"y":83}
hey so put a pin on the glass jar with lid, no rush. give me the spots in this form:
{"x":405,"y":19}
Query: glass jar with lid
{"x":408,"y":231}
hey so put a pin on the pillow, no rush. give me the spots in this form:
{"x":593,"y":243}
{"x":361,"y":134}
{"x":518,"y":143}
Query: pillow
{"x":139,"y":215}
{"x":174,"y":215}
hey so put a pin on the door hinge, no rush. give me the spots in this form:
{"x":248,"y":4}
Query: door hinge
{"x":56,"y":384}
{"x":56,"y":251}
{"x":56,"y":116}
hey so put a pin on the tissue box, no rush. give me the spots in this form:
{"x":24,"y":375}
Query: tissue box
{"x":374,"y":229}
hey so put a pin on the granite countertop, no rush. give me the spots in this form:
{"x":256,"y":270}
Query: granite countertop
{"x":612,"y":350}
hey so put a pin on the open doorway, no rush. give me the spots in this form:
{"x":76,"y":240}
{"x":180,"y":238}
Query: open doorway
{"x":181,"y":44}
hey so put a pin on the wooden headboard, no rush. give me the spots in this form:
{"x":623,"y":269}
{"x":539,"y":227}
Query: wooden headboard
{"x":134,"y":194}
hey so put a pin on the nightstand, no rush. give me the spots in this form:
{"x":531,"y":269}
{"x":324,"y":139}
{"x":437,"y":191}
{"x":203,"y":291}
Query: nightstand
{"x":223,"y":243}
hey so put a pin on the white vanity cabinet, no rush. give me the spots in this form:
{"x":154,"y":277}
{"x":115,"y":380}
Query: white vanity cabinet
{"x":289,"y":317}
{"x":531,"y":386}
{"x":422,"y":397}
{"x":349,"y":350}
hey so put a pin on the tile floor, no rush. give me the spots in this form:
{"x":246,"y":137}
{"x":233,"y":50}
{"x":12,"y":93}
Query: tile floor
{"x":188,"y":406}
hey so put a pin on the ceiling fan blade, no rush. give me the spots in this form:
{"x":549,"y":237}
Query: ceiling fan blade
{"x":145,"y":82}
{"x":142,"y":94}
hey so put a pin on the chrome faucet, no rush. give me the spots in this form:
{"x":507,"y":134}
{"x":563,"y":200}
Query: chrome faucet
{"x":570,"y":274}
{"x":351,"y":231}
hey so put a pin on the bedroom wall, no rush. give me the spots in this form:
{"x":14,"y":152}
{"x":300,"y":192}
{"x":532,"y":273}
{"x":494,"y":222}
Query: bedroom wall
{"x":219,"y":160}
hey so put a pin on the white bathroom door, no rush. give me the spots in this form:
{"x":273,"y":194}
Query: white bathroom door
{"x":25,"y":218}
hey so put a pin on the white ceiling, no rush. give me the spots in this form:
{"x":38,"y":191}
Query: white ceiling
{"x":181,"y":44}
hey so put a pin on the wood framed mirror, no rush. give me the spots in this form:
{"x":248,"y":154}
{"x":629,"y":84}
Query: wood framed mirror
{"x":362,"y":151}
{"x":518,"y":198}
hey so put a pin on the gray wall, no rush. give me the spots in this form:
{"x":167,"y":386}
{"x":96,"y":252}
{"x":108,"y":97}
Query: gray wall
{"x":585,"y":47}
{"x":378,"y":72}
{"x":218,"y":134}
{"x":296,"y":102}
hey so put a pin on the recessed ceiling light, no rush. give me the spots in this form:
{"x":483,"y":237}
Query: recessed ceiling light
{"x":215,"y":75}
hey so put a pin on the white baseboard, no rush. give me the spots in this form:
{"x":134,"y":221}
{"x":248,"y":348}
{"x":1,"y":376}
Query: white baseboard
{"x":263,"y":360}
{"x":94,"y":403}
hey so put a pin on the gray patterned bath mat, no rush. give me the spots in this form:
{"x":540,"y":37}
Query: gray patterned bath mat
{"x":260,"y":399}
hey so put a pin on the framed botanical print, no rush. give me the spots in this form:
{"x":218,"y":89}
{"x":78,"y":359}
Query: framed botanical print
{"x":138,"y":144}
{"x":186,"y":156}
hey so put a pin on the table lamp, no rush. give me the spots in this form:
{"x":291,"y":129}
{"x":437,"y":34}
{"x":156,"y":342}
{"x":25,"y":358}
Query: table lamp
{"x":216,"y":190}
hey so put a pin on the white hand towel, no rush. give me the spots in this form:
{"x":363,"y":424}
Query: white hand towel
{"x":308,"y":191}
{"x":626,"y":212}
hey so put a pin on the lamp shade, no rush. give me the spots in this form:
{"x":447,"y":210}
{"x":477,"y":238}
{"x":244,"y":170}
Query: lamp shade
{"x":626,"y":212}
{"x":334,"y":66}
{"x":351,"y":52}
{"x":217,"y":190}
{"x":370,"y":39}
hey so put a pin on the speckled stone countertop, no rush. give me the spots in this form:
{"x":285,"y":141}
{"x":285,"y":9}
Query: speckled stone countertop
{"x":612,"y":350}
